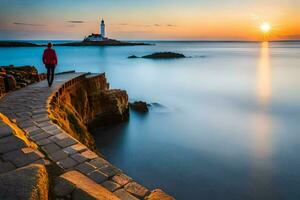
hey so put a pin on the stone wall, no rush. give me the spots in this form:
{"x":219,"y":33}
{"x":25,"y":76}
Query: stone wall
{"x":87,"y":101}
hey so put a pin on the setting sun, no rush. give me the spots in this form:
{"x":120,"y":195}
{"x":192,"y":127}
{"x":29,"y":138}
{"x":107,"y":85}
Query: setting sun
{"x":265,"y":27}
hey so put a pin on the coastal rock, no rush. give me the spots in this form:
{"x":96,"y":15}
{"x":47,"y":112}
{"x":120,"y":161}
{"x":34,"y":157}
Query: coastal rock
{"x":133,"y":56}
{"x":28,"y":183}
{"x":108,"y":42}
{"x":89,"y":103}
{"x":139,"y":106}
{"x":164,"y":55}
{"x":158,"y":194}
{"x":12,"y":78}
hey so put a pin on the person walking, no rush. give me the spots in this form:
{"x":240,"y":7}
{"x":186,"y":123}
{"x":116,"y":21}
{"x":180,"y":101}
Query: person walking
{"x":50,"y":61}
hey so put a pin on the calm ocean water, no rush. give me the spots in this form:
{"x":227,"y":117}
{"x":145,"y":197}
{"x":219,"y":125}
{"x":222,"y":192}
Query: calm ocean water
{"x":228,"y":124}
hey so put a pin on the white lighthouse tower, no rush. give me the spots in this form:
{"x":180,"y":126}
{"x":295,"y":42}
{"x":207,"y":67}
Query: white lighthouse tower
{"x":95,"y":37}
{"x":102,"y":28}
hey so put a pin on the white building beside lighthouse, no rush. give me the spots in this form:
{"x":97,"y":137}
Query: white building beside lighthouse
{"x":97,"y":37}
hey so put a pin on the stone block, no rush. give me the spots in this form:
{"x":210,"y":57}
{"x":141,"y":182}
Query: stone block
{"x":43,"y":142}
{"x":67,"y":163}
{"x":136,"y":189}
{"x":121,"y":179}
{"x":110,"y":185}
{"x":158,"y":194}
{"x":40,"y":136}
{"x":99,"y":162}
{"x":85,"y":168}
{"x":97,"y":176}
{"x":78,"y":157}
{"x":86,"y":188}
{"x":30,"y":182}
{"x":109,"y":170}
{"x":22,"y":157}
{"x":89,"y":154}
{"x":11,"y":143}
{"x":66,"y":142}
{"x":58,"y":155}
{"x":50,"y":148}
{"x":76,"y":148}
{"x":122,"y":194}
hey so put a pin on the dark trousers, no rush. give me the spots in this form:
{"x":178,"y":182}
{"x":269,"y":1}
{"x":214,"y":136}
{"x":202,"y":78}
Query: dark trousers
{"x":50,"y":74}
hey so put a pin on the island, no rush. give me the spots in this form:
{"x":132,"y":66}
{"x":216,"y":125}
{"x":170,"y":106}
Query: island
{"x":17,"y":44}
{"x":160,"y":55}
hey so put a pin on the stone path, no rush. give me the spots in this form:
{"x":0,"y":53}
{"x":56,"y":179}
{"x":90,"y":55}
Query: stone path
{"x":27,"y":108}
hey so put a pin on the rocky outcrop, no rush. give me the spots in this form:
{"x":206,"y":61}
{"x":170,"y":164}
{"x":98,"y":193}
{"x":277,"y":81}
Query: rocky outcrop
{"x":89,"y":103}
{"x":12,"y":78}
{"x":139,"y":106}
{"x":164,"y":55}
{"x":158,"y":194}
{"x":28,"y":183}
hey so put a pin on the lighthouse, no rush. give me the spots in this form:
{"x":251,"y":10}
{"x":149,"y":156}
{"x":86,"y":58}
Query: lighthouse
{"x":97,"y":37}
{"x":102,"y":29}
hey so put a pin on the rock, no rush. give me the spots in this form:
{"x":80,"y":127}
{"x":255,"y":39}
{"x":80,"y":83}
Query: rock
{"x":136,"y":189}
{"x":133,"y":56}
{"x":164,"y":55}
{"x":12,"y":77}
{"x":139,"y":106}
{"x":158,"y":194}
{"x":28,"y":183}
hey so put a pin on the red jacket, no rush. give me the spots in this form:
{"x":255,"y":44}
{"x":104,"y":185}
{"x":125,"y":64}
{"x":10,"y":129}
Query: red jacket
{"x":49,"y":57}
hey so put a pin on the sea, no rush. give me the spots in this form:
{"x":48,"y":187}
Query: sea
{"x":224,"y":123}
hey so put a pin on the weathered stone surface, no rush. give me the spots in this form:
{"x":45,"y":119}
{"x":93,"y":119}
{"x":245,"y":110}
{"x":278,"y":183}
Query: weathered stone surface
{"x":58,"y":155}
{"x":86,"y":188}
{"x":89,"y":154}
{"x":78,"y":157}
{"x":49,"y":148}
{"x":122,"y":194}
{"x":67,"y":163}
{"x":136,"y":189}
{"x":85,"y":168}
{"x":63,"y":187}
{"x":99,"y":162}
{"x":109,"y":170}
{"x":97,"y":176}
{"x":11,"y":143}
{"x":6,"y":166}
{"x":121,"y":179}
{"x":28,"y":183}
{"x":110,"y":185}
{"x":22,"y":157}
{"x":75,"y":148}
{"x":158,"y":194}
{"x":66,"y":142}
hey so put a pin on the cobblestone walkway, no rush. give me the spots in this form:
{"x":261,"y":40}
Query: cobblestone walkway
{"x":27,"y":108}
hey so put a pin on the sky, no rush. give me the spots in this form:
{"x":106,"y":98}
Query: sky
{"x":149,"y":19}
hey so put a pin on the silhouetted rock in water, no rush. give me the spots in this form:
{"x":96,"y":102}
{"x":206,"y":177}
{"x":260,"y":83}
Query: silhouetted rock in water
{"x":17,"y":44}
{"x":133,"y":56}
{"x":164,"y":55}
{"x":139,"y":106}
